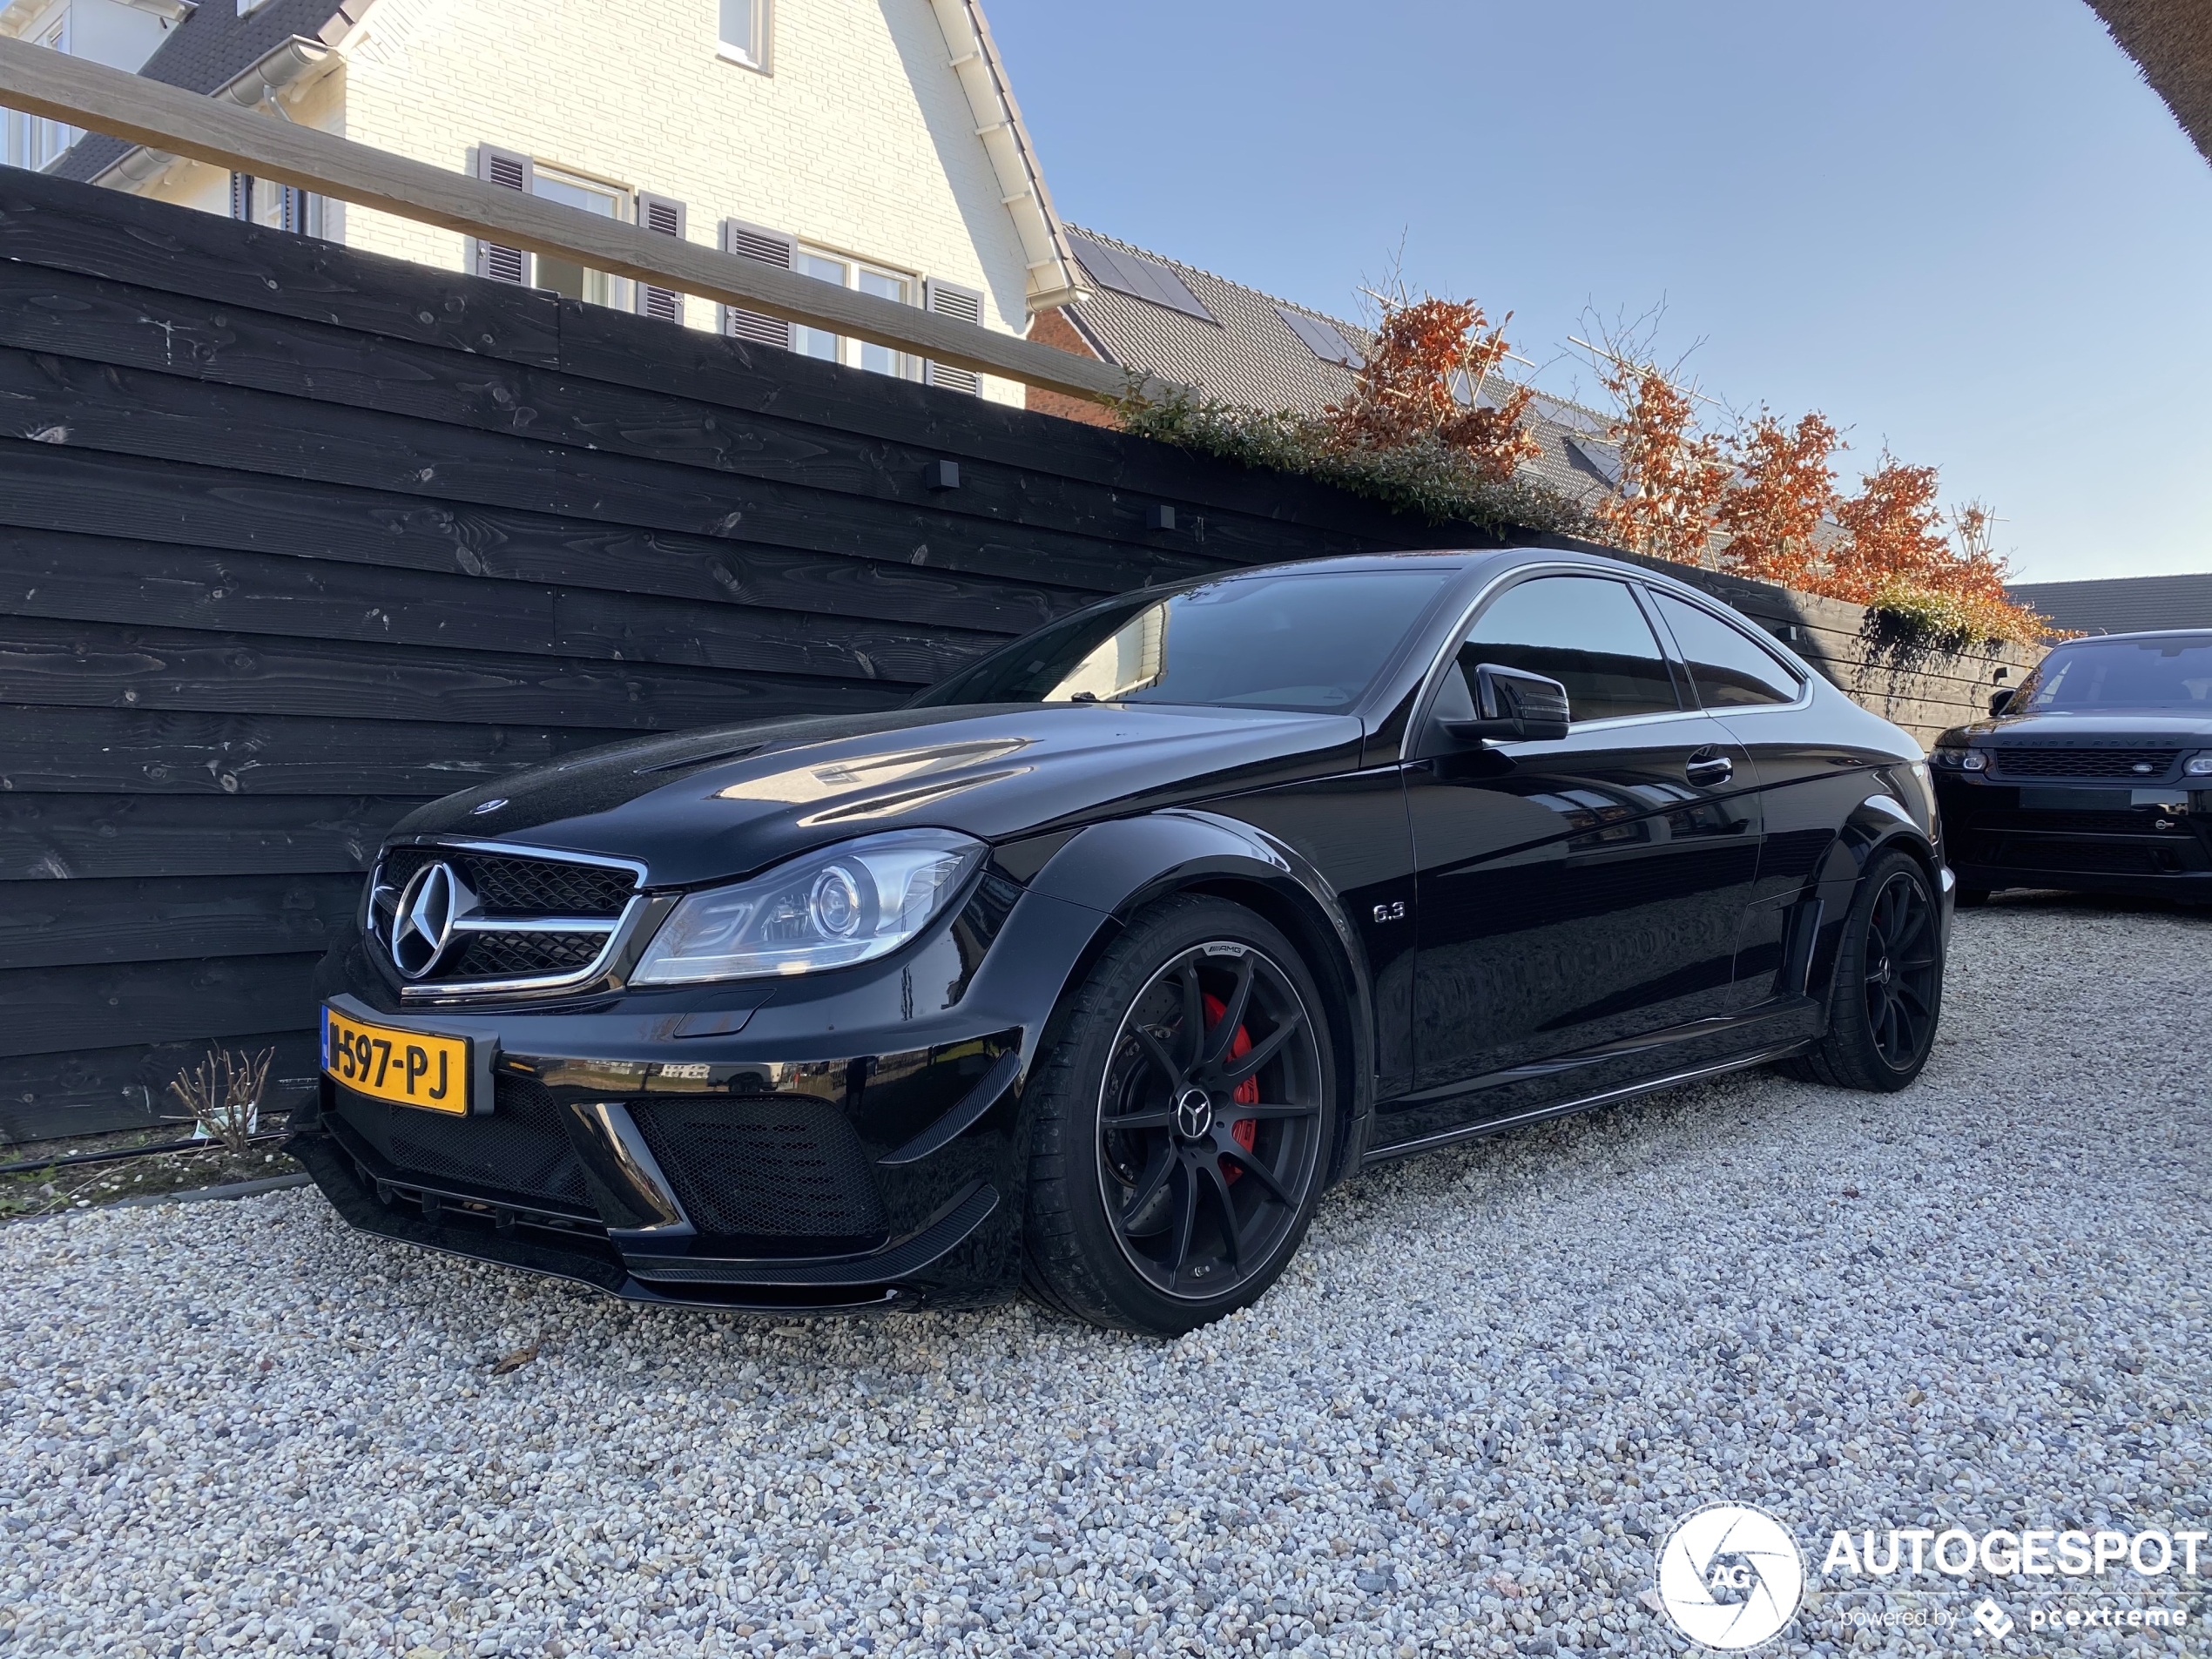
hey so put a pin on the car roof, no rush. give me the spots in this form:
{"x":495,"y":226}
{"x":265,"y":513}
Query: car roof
{"x":2140,"y":633}
{"x":1449,"y":558}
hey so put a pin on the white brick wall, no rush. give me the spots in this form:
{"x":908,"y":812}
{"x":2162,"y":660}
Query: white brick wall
{"x":860,"y":141}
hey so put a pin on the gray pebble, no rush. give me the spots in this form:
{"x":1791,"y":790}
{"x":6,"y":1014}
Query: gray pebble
{"x":1460,"y":1424}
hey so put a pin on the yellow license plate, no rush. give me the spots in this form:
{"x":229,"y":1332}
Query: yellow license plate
{"x":406,"y":1067}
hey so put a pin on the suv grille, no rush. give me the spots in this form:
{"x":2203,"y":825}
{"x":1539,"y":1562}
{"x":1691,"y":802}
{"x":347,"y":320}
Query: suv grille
{"x":520,"y":1151}
{"x":2085,"y":762}
{"x":492,"y":888}
{"x":764,"y":1167}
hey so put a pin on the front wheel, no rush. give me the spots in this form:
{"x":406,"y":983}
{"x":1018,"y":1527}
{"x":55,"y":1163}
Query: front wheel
{"x":1888,"y":990}
{"x":1180,"y":1125}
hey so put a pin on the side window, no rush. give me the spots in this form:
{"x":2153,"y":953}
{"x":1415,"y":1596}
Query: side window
{"x":1729,"y":669}
{"x":1586,"y":632}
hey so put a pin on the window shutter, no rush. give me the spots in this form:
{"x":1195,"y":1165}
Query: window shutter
{"x":949,"y":299}
{"x":663,"y":216}
{"x":509,"y":172}
{"x":770,"y":247}
{"x":242,"y":195}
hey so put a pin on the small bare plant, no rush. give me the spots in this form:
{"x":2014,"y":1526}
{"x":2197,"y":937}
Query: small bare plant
{"x":223,"y":1093}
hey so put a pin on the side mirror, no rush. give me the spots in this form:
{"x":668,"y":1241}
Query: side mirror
{"x":1512,"y":707}
{"x":1999,"y":701}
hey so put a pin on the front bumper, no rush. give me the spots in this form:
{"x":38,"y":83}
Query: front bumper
{"x":846,"y":1143}
{"x":2152,"y":842}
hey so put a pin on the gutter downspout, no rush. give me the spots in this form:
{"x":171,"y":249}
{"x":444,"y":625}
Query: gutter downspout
{"x":1053,"y":277}
{"x":289,"y":65}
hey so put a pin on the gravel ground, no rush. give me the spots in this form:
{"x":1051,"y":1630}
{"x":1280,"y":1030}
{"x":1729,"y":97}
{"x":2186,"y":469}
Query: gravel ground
{"x":1460,"y":1424}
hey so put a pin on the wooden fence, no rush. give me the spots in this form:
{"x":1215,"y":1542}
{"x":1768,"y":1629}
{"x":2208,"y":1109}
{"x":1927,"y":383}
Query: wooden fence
{"x":293,"y":538}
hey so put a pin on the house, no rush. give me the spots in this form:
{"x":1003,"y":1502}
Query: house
{"x":1145,"y":311}
{"x":877,"y":146}
{"x":122,"y":34}
{"x":2120,"y":605}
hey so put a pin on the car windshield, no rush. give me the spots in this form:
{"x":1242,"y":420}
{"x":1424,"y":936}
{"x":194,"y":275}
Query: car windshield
{"x":1286,"y":640}
{"x":2173,"y":673}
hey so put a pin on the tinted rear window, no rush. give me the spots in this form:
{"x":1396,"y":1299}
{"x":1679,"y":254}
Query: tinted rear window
{"x":1285,"y":641}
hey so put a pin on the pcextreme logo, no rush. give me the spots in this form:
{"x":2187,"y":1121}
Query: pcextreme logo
{"x":1730,"y":1576}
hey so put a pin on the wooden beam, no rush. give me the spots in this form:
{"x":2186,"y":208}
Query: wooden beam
{"x":42,"y":82}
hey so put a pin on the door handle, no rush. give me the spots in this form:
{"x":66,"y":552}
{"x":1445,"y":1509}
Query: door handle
{"x":1705,"y":770}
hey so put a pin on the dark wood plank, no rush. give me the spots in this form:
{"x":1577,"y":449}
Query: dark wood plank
{"x":68,"y":751}
{"x":51,"y":1011}
{"x":68,"y":226}
{"x":139,"y":328}
{"x":92,"y":578}
{"x":68,"y":400}
{"x":56,"y":924}
{"x":99,"y":1091}
{"x":86,"y":665}
{"x":63,"y":226}
{"x":66,"y":838}
{"x":182,"y":504}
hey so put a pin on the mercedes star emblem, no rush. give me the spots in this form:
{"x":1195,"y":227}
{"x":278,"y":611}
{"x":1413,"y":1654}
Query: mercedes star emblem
{"x":1193,"y":1114}
{"x":429,"y":905}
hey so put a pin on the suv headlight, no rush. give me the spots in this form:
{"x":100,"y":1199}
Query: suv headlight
{"x":2200,"y":765}
{"x":846,"y":904}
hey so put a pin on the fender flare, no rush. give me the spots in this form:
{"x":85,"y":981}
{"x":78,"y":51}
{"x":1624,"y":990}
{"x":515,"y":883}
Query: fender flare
{"x":1871,"y":828}
{"x":1118,"y":867}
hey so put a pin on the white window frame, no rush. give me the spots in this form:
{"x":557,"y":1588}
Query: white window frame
{"x":752,"y":52}
{"x":34,"y":143}
{"x":849,"y":349}
{"x":621,"y":291}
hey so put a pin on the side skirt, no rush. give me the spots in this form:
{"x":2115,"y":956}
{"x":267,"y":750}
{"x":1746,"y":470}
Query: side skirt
{"x":1604,"y":1097}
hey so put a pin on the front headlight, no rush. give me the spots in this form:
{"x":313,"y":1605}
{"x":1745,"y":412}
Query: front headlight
{"x":2200,"y":765}
{"x":846,"y":904}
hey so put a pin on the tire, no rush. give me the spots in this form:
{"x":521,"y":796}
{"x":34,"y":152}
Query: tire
{"x":1887,"y":997}
{"x":1169,"y":1180}
{"x":1971,"y":898}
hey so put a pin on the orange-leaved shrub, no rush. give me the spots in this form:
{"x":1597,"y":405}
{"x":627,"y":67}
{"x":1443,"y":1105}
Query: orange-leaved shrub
{"x":1672,"y":475}
{"x":1424,"y":378}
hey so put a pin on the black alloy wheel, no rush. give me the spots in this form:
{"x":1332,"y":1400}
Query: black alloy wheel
{"x":1903,"y":969}
{"x":1180,"y":1125}
{"x":1206,"y":1120}
{"x":1887,"y":996}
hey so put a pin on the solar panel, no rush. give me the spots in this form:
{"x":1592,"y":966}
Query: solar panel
{"x":1138,"y":277}
{"x":1600,"y":458}
{"x":1322,"y":338}
{"x":1569,"y":415}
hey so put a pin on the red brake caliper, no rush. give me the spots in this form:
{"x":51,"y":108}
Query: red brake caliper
{"x":1244,"y":1131}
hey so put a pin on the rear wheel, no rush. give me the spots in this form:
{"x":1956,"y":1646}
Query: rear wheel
{"x":1180,"y":1125}
{"x":1888,"y":991}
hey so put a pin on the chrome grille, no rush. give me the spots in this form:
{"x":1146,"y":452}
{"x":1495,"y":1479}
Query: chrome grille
{"x":508,"y":884}
{"x":466,"y":917}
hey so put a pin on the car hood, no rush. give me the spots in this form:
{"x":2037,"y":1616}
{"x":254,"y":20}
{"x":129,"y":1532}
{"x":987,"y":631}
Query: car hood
{"x":721,"y":803}
{"x":2098,"y":728}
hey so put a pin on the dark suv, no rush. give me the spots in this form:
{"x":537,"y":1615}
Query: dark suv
{"x":2095,"y":775}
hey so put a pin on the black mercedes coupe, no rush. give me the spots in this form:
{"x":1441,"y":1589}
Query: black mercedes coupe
{"x":1091,"y":969}
{"x":2094,"y":775}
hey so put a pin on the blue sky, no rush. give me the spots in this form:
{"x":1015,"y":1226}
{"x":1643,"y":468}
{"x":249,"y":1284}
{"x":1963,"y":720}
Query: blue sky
{"x":1963,"y":227}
